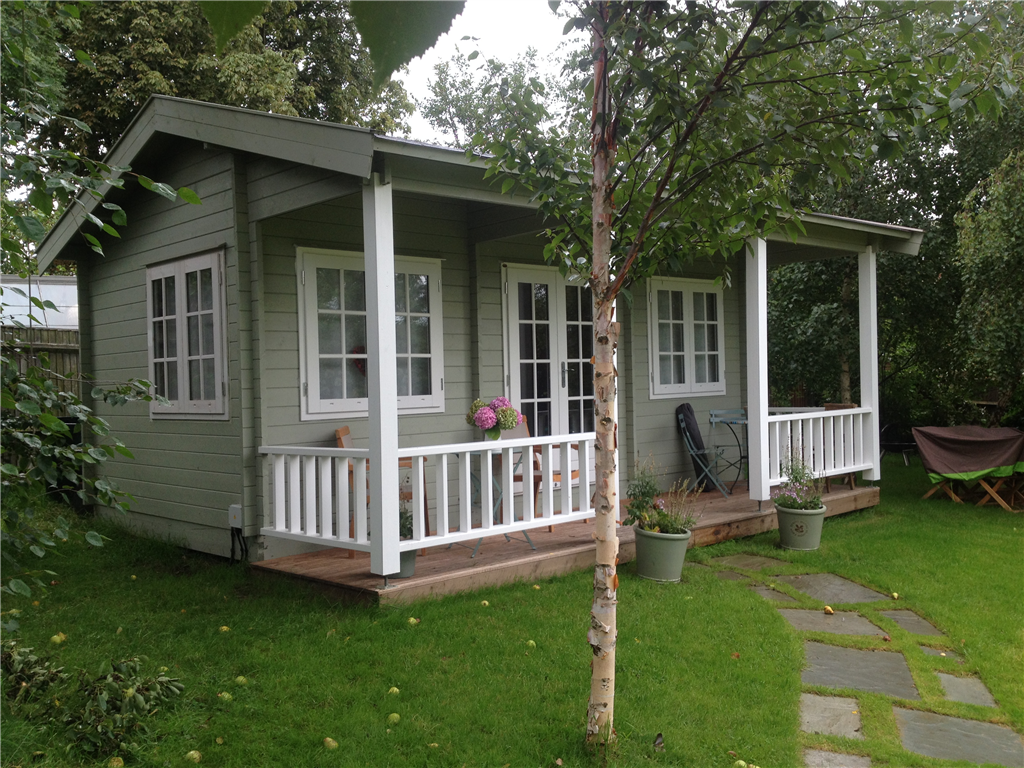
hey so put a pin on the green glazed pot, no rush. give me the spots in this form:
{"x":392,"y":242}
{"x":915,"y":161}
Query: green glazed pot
{"x":407,"y":561}
{"x":660,"y":556}
{"x":800,"y":528}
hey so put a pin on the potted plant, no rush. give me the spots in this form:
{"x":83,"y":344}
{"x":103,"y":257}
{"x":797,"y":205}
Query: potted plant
{"x":494,"y":417}
{"x":798,"y":506}
{"x":407,"y":559}
{"x":662,"y":524}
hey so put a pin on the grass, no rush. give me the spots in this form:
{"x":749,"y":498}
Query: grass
{"x":470,"y":684}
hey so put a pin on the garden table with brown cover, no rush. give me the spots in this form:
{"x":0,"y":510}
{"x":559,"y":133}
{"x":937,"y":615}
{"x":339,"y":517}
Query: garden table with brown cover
{"x":968,"y":456}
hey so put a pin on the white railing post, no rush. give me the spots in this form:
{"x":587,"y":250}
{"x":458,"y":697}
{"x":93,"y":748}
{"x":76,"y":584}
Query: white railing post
{"x":441,"y":505}
{"x":869,"y":361}
{"x":279,"y":497}
{"x":465,"y":492}
{"x":757,"y":367}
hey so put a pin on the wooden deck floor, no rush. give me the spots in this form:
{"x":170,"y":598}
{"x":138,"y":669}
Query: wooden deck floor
{"x":570,"y":547}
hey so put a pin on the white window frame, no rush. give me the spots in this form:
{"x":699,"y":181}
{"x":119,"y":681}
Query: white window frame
{"x":688,"y":287}
{"x":312,"y":406}
{"x":183,"y":407}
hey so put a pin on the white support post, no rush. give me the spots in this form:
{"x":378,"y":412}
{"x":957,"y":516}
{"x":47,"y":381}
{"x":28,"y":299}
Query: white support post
{"x":757,"y":367}
{"x":379,"y":250}
{"x":868,"y":311}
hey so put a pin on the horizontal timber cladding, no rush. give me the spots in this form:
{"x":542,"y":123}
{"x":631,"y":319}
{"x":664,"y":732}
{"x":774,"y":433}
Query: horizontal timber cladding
{"x":425,"y":227}
{"x":186,"y":472}
{"x":649,"y":429}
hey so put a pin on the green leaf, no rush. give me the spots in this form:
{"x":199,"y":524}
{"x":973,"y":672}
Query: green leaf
{"x":54,"y":424}
{"x":37,"y":551}
{"x":189,"y":196}
{"x":396,"y":33}
{"x":123,"y":450}
{"x":83,"y":58}
{"x":31,"y":227}
{"x":20,"y":587}
{"x":228,"y":19}
{"x":94,"y":538}
{"x":164,"y":190}
{"x":27,"y":406}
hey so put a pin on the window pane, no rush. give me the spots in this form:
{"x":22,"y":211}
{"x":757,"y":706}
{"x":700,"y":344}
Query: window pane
{"x":543,"y":419}
{"x":588,"y":341}
{"x":713,"y":368}
{"x":712,"y":315}
{"x":712,"y":336}
{"x":543,"y":347}
{"x":664,"y":306}
{"x":525,"y":301}
{"x":574,"y":379}
{"x":587,"y":305}
{"x":193,"y":335}
{"x":158,"y":298}
{"x":678,"y":370}
{"x":526,"y":341}
{"x":664,"y":337}
{"x":665,"y":369}
{"x":677,"y":305}
{"x":701,"y":366}
{"x":192,"y":292}
{"x":207,"y":327}
{"x":159,"y":383}
{"x":575,"y":417}
{"x":158,"y":340}
{"x":330,"y":379}
{"x":206,"y":289}
{"x":403,"y":377}
{"x":401,"y":334}
{"x":328,"y":288}
{"x":419,"y":335}
{"x":355,"y":290}
{"x":698,"y":338}
{"x":355,"y":376}
{"x":526,"y":379}
{"x":172,"y":380}
{"x":588,"y":380}
{"x":420,"y":375}
{"x":572,"y":303}
{"x":677,"y":338}
{"x":329,"y":334}
{"x":572,"y":341}
{"x":400,"y":303}
{"x":171,"y":329}
{"x":588,"y":415}
{"x":419,"y":293}
{"x":543,"y":380}
{"x":209,"y":379}
{"x":528,"y":417}
{"x":540,"y":295}
{"x":355,"y":334}
{"x":698,"y":307}
{"x":170,"y":308}
{"x":195,"y":389}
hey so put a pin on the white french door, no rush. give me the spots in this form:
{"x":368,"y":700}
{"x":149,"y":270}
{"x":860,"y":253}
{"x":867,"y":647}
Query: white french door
{"x":549,"y":327}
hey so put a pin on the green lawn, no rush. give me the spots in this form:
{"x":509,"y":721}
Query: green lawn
{"x":473,"y":693}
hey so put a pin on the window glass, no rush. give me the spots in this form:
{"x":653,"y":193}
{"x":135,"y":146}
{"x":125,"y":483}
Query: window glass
{"x":686,"y":350}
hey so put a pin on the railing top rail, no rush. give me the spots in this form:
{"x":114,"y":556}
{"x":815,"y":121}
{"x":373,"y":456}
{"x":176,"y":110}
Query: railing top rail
{"x":817,"y":414}
{"x":494,"y":446}
{"x":772,"y":409}
{"x":302,"y":450}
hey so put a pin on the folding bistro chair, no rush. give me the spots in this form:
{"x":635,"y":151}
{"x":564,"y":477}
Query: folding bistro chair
{"x":705,"y":460}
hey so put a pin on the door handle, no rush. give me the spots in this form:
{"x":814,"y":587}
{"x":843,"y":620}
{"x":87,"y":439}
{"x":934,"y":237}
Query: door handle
{"x":564,"y":371}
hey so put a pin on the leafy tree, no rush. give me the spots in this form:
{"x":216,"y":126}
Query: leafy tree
{"x":703,"y":117}
{"x":295,"y":58}
{"x":990,"y":254}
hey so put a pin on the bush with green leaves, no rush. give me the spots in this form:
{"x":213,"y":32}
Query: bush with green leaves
{"x":26,"y":676}
{"x":651,"y":510}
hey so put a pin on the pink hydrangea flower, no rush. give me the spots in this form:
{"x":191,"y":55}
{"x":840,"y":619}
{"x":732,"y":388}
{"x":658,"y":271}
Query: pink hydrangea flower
{"x":485,"y":418}
{"x":500,"y":402}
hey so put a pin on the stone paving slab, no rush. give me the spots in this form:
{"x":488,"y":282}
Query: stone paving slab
{"x":816,"y":758}
{"x":830,"y":588}
{"x":770,"y":594}
{"x":830,"y":715}
{"x":730,"y":576}
{"x":839,"y":623}
{"x":937,"y":652}
{"x":874,"y":671}
{"x":969,"y":690}
{"x":749,"y":562}
{"x":911,"y":622}
{"x":953,"y":738}
{"x":693,"y":565}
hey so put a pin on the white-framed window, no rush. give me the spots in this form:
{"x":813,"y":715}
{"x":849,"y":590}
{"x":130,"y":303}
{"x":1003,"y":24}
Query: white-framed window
{"x":332,"y":333}
{"x":185,"y":312}
{"x":687,"y":337}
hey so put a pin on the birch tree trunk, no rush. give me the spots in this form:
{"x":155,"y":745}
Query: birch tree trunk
{"x":603,"y":628}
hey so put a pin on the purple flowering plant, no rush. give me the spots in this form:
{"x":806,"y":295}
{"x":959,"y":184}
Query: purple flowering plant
{"x":651,"y":510}
{"x":494,"y":417}
{"x":801,"y":489}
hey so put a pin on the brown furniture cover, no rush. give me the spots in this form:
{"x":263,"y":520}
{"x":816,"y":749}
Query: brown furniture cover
{"x":970,"y":453}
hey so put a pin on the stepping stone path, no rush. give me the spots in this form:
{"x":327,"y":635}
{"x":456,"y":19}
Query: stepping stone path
{"x":749,"y":562}
{"x":911,"y":622}
{"x":885,"y":672}
{"x":954,"y":738}
{"x":840,"y":623}
{"x":815,"y":758}
{"x":969,"y":690}
{"x":730,"y":576}
{"x":829,"y":588}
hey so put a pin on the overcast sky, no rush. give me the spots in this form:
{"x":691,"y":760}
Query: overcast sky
{"x":505,"y":28}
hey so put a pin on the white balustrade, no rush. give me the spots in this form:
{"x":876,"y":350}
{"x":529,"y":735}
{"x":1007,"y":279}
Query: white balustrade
{"x":829,"y":442}
{"x":509,"y":484}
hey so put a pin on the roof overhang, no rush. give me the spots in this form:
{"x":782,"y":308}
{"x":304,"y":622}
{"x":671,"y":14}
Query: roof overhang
{"x":827,"y":236}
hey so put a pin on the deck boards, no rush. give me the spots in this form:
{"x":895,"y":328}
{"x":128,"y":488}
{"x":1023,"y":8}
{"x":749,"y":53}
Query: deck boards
{"x":570,"y":547}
